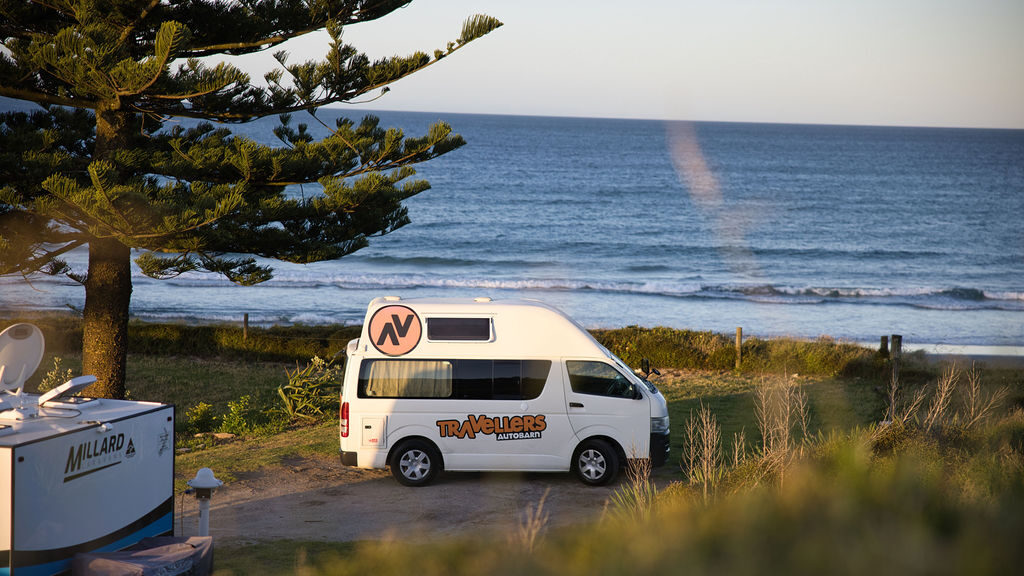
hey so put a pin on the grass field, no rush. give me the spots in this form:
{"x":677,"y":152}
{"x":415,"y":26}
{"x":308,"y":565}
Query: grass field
{"x":849,"y":496}
{"x":853,"y":500}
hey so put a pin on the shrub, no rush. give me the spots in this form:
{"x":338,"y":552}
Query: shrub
{"x":199,"y":419}
{"x":237,"y":420}
{"x":54,"y":377}
{"x":692,"y":350}
{"x":312,"y":391}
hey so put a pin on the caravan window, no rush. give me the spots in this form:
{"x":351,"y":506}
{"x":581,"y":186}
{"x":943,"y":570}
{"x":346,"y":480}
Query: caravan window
{"x":463,"y":379}
{"x":406,"y":379}
{"x":500,"y":379}
{"x":459,"y":329}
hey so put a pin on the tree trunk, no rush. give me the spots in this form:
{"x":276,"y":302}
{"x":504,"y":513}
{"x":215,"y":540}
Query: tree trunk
{"x":108,"y":286}
{"x":108,"y":291}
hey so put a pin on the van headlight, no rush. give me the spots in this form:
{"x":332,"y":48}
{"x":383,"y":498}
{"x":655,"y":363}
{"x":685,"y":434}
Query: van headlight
{"x":659,"y":425}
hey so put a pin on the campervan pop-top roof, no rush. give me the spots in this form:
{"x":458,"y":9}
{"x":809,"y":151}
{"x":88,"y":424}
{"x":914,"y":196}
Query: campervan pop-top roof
{"x":467,"y":327}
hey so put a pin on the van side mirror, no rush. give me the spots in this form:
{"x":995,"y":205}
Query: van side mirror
{"x":645,"y":367}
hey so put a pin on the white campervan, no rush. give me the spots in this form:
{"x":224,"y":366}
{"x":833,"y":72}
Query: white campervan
{"x":476,"y":384}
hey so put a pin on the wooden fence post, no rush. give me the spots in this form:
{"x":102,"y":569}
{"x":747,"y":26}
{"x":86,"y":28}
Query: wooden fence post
{"x":739,"y":346}
{"x":883,"y":347}
{"x":245,"y":326}
{"x":896,"y":352}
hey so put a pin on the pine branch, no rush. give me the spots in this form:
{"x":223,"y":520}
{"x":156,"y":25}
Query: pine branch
{"x":45,"y":98}
{"x":239,"y":48}
{"x":135,"y":23}
{"x":97,"y":171}
{"x":273,"y":32}
{"x":163,"y":47}
{"x":474,"y":27}
{"x":37,"y":263}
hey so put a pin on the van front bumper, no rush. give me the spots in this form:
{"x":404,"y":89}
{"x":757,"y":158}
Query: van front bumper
{"x":659,"y":449}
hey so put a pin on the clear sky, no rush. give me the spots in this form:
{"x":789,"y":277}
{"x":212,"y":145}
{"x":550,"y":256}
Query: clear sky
{"x":886,"y":62}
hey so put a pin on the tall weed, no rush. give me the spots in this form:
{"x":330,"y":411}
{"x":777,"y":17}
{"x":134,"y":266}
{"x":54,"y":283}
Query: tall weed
{"x":781,"y":409}
{"x":904,"y":420}
{"x":635,"y":499}
{"x":702,"y":451}
{"x":531,"y":525}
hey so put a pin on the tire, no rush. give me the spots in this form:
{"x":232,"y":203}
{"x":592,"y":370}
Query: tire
{"x":595,"y":462}
{"x":415,"y":463}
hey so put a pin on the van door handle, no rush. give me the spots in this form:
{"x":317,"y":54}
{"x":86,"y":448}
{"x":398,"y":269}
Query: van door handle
{"x":575,"y":405}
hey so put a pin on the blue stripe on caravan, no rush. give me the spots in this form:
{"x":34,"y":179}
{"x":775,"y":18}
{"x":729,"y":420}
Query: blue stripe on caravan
{"x":163,"y":525}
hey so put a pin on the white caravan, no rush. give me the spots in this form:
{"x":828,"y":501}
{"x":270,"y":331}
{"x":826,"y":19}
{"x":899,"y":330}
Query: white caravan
{"x":482,"y":385}
{"x":76,"y":474}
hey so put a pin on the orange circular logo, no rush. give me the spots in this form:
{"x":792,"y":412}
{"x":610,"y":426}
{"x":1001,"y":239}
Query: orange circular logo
{"x":395,"y":330}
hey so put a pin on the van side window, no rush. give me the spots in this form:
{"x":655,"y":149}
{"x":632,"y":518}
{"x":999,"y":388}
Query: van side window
{"x":459,"y":329}
{"x":462,"y":379}
{"x":500,"y":379}
{"x":598,"y":378}
{"x":405,"y":379}
{"x":535,"y":374}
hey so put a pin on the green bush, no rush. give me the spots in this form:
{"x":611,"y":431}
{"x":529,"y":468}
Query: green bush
{"x":312,"y":392}
{"x":199,"y":419}
{"x":238,"y":419}
{"x":55,"y":377}
{"x":690,"y":350}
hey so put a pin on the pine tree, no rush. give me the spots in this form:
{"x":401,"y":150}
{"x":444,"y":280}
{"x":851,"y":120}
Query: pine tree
{"x":95,"y":166}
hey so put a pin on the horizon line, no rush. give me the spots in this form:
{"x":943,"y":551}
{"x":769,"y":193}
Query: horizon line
{"x":5,"y":106}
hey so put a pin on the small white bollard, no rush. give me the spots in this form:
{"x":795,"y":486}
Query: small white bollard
{"x":204,"y":484}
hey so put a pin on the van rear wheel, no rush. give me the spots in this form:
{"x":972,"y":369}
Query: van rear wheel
{"x":415,"y":463}
{"x":596,"y":463}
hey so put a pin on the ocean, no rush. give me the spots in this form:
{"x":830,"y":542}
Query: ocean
{"x":783,"y":230}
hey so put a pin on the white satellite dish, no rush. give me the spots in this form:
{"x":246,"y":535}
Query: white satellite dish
{"x":21,"y":351}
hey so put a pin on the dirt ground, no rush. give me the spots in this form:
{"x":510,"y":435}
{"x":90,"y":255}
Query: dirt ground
{"x":320,"y":499}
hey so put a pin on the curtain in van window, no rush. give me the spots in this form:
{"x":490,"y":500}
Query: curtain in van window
{"x":409,"y":379}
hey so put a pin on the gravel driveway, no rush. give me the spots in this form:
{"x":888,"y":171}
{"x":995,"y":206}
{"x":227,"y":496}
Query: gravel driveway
{"x":319,"y":499}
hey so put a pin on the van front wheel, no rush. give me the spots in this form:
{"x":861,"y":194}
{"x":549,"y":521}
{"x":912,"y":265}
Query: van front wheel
{"x":596,"y":463}
{"x":415,"y":463}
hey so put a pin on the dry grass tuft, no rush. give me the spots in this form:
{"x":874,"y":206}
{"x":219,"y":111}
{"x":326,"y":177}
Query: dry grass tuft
{"x":635,"y":499}
{"x":531,"y":525}
{"x":780,"y":408}
{"x":702,"y":451}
